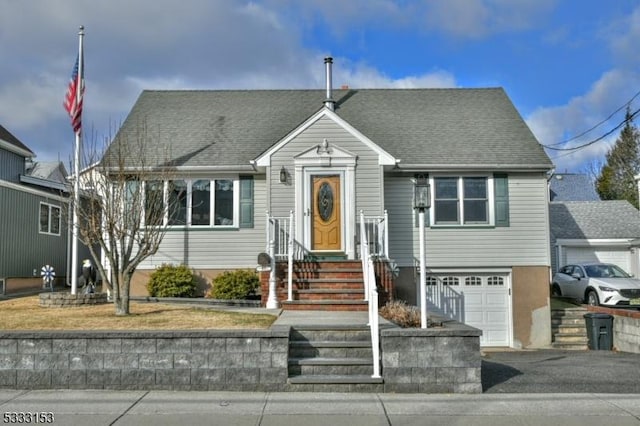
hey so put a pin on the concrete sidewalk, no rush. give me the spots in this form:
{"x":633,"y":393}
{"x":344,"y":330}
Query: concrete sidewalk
{"x":310,"y":409}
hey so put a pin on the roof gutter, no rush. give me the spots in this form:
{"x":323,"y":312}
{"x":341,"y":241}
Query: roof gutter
{"x":225,"y":168}
{"x":45,"y":183}
{"x":474,"y":167}
{"x":16,"y":149}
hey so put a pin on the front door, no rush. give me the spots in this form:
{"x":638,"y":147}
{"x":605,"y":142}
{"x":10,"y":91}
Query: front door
{"x":326,"y":216}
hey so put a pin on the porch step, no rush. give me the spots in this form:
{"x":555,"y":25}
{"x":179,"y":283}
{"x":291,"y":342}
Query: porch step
{"x":331,"y":358}
{"x":335,"y":379}
{"x":324,"y":285}
{"x":325,"y":305}
{"x":569,"y":329}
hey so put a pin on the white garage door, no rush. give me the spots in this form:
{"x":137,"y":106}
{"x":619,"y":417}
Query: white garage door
{"x":616,"y":255}
{"x":481,"y":300}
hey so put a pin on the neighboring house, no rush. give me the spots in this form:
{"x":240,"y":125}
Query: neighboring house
{"x":586,"y":229}
{"x":240,"y":155}
{"x":33,"y":206}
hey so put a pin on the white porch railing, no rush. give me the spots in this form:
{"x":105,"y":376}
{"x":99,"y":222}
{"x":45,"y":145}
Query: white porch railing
{"x":442,"y":298}
{"x":280,"y":246}
{"x":371,"y":295}
{"x":375,"y":231}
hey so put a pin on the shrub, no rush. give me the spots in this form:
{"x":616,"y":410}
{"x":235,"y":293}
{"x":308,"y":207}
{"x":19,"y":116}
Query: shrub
{"x":172,"y":281}
{"x":399,"y":312}
{"x":235,"y":285}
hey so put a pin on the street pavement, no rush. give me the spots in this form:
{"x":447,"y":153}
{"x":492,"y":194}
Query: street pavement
{"x":560,"y":371}
{"x":528,"y":387}
{"x":309,"y":409}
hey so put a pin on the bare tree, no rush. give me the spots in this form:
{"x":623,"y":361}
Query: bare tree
{"x":125,"y":210}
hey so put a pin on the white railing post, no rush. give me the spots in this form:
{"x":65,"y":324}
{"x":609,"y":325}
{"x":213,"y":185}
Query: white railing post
{"x":272,"y":300}
{"x":290,"y":258}
{"x":374,"y":322}
{"x":267,"y":231}
{"x":422,"y":290}
{"x":364,"y":254}
{"x":385,"y":249}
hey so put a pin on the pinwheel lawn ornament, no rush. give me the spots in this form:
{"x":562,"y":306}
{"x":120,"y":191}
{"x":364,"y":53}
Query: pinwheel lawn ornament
{"x":48,"y":276}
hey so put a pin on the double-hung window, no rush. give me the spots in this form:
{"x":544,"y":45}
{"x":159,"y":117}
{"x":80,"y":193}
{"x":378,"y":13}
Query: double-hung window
{"x":462,"y":200}
{"x":214,"y":202}
{"x":49,"y":219}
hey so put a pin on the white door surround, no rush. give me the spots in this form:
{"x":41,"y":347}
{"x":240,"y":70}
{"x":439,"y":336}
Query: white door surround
{"x":325,"y":159}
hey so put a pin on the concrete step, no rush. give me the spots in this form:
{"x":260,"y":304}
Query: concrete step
{"x":570,"y":346}
{"x":335,"y":379}
{"x":329,"y":355}
{"x":336,"y":334}
{"x":569,"y":329}
{"x":330,"y":349}
{"x":581,"y":338}
{"x":326,"y":305}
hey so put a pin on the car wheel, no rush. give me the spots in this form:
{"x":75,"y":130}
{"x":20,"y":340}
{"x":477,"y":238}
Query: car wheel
{"x":555,"y":291}
{"x":592,"y":298}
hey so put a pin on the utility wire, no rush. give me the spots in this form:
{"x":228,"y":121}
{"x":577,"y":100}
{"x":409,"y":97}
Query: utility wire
{"x":597,"y":125}
{"x":598,"y":139}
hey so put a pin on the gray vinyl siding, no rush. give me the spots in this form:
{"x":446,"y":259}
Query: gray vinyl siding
{"x":11,"y":166}
{"x":525,"y":242}
{"x":22,"y":247}
{"x":369,"y":193}
{"x":216,"y":248}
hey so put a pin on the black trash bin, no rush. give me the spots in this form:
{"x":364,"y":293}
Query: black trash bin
{"x":599,"y":331}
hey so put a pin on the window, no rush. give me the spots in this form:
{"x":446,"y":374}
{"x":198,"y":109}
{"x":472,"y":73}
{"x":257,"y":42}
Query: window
{"x":462,"y":200}
{"x":495,"y":281}
{"x":154,"y":202}
{"x":200,"y":203}
{"x":473,"y":281}
{"x":450,"y":281}
{"x":223,"y":204}
{"x":432,"y":281}
{"x":177,"y":191}
{"x":49,"y":219}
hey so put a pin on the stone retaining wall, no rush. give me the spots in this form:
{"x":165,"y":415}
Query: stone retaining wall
{"x":435,"y":360}
{"x":237,"y":360}
{"x":68,"y":300}
{"x":432,"y":360}
{"x":626,"y":328}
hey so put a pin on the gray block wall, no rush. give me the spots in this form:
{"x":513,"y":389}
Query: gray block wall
{"x":433,"y":360}
{"x":240,"y":360}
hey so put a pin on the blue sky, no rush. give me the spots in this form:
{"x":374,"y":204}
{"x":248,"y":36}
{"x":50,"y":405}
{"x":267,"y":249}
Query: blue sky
{"x":567,"y":65}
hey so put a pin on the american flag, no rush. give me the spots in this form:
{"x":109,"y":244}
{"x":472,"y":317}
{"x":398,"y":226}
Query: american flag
{"x":73,"y":102}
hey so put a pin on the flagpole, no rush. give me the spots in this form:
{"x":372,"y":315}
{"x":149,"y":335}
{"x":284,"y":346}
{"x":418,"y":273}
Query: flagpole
{"x":76,"y":164}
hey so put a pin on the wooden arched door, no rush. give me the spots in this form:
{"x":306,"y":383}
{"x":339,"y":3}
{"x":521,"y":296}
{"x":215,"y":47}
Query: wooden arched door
{"x":326,"y":213}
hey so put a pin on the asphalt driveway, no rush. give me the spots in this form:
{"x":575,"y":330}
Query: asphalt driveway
{"x":559,"y":371}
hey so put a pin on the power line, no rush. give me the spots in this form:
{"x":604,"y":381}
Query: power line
{"x":597,"y":125}
{"x":598,"y":139}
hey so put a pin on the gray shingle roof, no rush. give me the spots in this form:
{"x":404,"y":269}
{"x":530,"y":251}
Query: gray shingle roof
{"x":427,"y":127}
{"x":572,"y":187}
{"x":6,"y":136}
{"x":594,"y":220}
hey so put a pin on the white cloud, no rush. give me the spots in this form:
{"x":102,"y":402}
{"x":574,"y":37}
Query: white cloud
{"x":553,"y":125}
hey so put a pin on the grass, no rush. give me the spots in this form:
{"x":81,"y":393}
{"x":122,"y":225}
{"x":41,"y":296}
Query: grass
{"x":563,"y":303}
{"x":26,"y":314}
